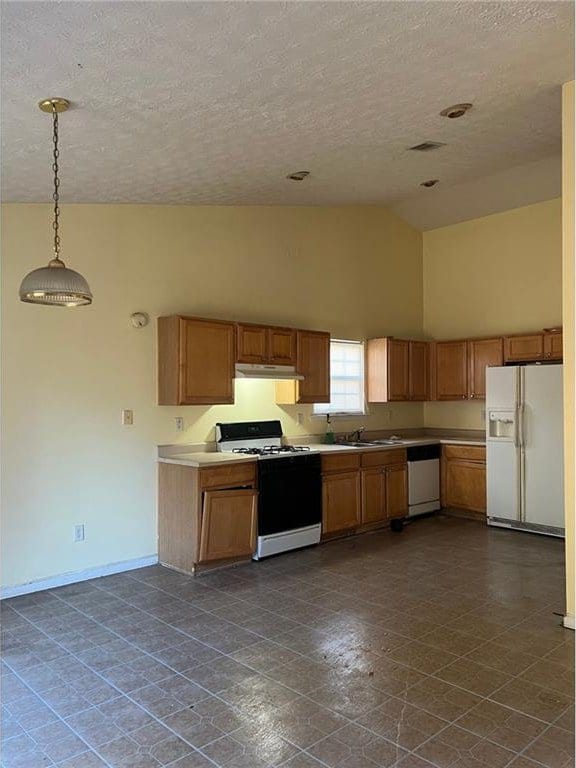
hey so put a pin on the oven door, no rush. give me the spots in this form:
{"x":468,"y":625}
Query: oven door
{"x":290,"y":493}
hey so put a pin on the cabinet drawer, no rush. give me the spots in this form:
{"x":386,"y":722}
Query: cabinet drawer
{"x":465,"y":452}
{"x":228,"y":477}
{"x":340,"y":462}
{"x":382,"y":458}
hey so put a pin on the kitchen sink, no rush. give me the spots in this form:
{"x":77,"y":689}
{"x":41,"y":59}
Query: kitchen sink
{"x":368,"y":443}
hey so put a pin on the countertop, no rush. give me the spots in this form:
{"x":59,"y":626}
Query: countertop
{"x":206,"y":459}
{"x":214,"y":458}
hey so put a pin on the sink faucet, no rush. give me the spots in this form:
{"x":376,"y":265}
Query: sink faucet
{"x":356,"y":436}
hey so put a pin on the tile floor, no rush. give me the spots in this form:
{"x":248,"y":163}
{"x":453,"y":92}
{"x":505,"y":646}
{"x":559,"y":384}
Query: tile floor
{"x":439,"y":646}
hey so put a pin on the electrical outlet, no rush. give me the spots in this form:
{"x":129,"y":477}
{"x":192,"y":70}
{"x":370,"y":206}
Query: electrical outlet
{"x":78,"y":533}
{"x":179,"y":421}
{"x":300,"y":418}
{"x":127,"y":417}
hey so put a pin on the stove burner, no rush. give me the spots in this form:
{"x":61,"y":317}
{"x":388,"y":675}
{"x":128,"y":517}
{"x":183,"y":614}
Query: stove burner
{"x":272,"y":450}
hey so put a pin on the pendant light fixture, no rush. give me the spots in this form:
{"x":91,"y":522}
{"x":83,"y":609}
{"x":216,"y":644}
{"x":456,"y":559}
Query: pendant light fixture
{"x":55,"y":285}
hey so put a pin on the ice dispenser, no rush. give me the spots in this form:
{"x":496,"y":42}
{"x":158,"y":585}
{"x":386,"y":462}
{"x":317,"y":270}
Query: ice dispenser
{"x":501,"y":425}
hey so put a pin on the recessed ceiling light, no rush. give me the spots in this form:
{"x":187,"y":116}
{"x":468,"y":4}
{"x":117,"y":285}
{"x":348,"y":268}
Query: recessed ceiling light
{"x":456,"y":110}
{"x":298,"y":175}
{"x":427,"y":146}
{"x":429,"y":183}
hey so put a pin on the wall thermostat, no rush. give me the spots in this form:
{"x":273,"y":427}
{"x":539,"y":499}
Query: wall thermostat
{"x":139,"y":319}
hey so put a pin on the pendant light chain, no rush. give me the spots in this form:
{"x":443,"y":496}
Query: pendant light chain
{"x":56,"y":195}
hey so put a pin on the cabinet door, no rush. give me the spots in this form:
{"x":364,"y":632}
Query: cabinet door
{"x":482,"y":353}
{"x":281,"y":346}
{"x":396,"y":490}
{"x":229,"y":525}
{"x":206,"y":362}
{"x":398,"y":369}
{"x":252,"y":344}
{"x":519,"y":349}
{"x":464,"y":485}
{"x":373,"y":495}
{"x":451,"y":370}
{"x":553,"y":346}
{"x":340,"y":502}
{"x":418,"y":370}
{"x":313,"y":352}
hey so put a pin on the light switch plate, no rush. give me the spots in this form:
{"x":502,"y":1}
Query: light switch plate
{"x":127,"y":417}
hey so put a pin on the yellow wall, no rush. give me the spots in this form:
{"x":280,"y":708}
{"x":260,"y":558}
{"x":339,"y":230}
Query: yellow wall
{"x":67,"y":374}
{"x":569,"y":337}
{"x":494,"y":275}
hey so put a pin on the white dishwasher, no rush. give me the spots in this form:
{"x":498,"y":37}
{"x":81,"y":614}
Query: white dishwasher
{"x":423,"y":479}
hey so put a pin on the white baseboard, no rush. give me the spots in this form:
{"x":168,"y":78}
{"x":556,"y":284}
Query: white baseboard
{"x":569,"y":621}
{"x":73,"y":576}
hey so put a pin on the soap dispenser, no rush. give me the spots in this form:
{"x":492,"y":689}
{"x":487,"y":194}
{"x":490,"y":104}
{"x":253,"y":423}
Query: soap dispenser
{"x":329,"y":438}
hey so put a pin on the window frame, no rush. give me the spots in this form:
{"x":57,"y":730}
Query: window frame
{"x":322,"y":410}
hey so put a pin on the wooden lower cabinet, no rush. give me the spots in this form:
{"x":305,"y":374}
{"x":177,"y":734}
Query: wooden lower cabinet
{"x":396,"y":490}
{"x":464,"y":478}
{"x":363,"y":489}
{"x":229,"y":524}
{"x":206,"y":515}
{"x":341,"y":494}
{"x":373,"y":495}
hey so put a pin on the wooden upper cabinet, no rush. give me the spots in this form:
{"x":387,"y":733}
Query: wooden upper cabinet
{"x":313,"y":363}
{"x":418,"y":369}
{"x":451,"y":370}
{"x":522,"y":349}
{"x":252,"y":344}
{"x":281,"y":346}
{"x":553,"y":346}
{"x":482,"y":354}
{"x":195,"y":361}
{"x":263,"y":344}
{"x":397,"y":370}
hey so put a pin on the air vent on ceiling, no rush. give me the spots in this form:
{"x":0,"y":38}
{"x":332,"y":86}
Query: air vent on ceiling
{"x":427,"y":146}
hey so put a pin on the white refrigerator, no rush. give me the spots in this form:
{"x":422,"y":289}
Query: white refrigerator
{"x":524,"y":448}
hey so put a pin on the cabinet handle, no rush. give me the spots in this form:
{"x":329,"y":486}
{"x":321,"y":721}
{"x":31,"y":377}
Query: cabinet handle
{"x":463,"y":397}
{"x":472,"y":395}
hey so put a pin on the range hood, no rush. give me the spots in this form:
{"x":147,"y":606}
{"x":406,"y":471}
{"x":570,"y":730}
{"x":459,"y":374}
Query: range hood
{"x":253,"y":371}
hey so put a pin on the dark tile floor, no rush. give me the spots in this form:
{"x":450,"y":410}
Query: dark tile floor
{"x":439,"y":647}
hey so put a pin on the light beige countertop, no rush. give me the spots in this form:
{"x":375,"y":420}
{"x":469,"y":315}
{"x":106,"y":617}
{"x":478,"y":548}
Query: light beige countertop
{"x":206,"y":459}
{"x":215,"y":458}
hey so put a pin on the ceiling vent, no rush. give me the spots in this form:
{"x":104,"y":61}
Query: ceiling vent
{"x":298,"y":175}
{"x":427,"y":146}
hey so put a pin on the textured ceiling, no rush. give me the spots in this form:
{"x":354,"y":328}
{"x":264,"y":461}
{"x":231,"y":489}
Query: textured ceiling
{"x":215,"y":102}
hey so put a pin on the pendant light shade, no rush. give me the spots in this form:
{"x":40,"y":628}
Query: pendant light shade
{"x":55,"y":284}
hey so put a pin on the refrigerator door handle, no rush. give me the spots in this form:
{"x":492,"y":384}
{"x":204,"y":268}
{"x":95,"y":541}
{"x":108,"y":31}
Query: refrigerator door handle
{"x":520,"y":427}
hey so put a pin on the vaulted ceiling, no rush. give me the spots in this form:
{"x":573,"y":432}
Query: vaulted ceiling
{"x":216,"y":102}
